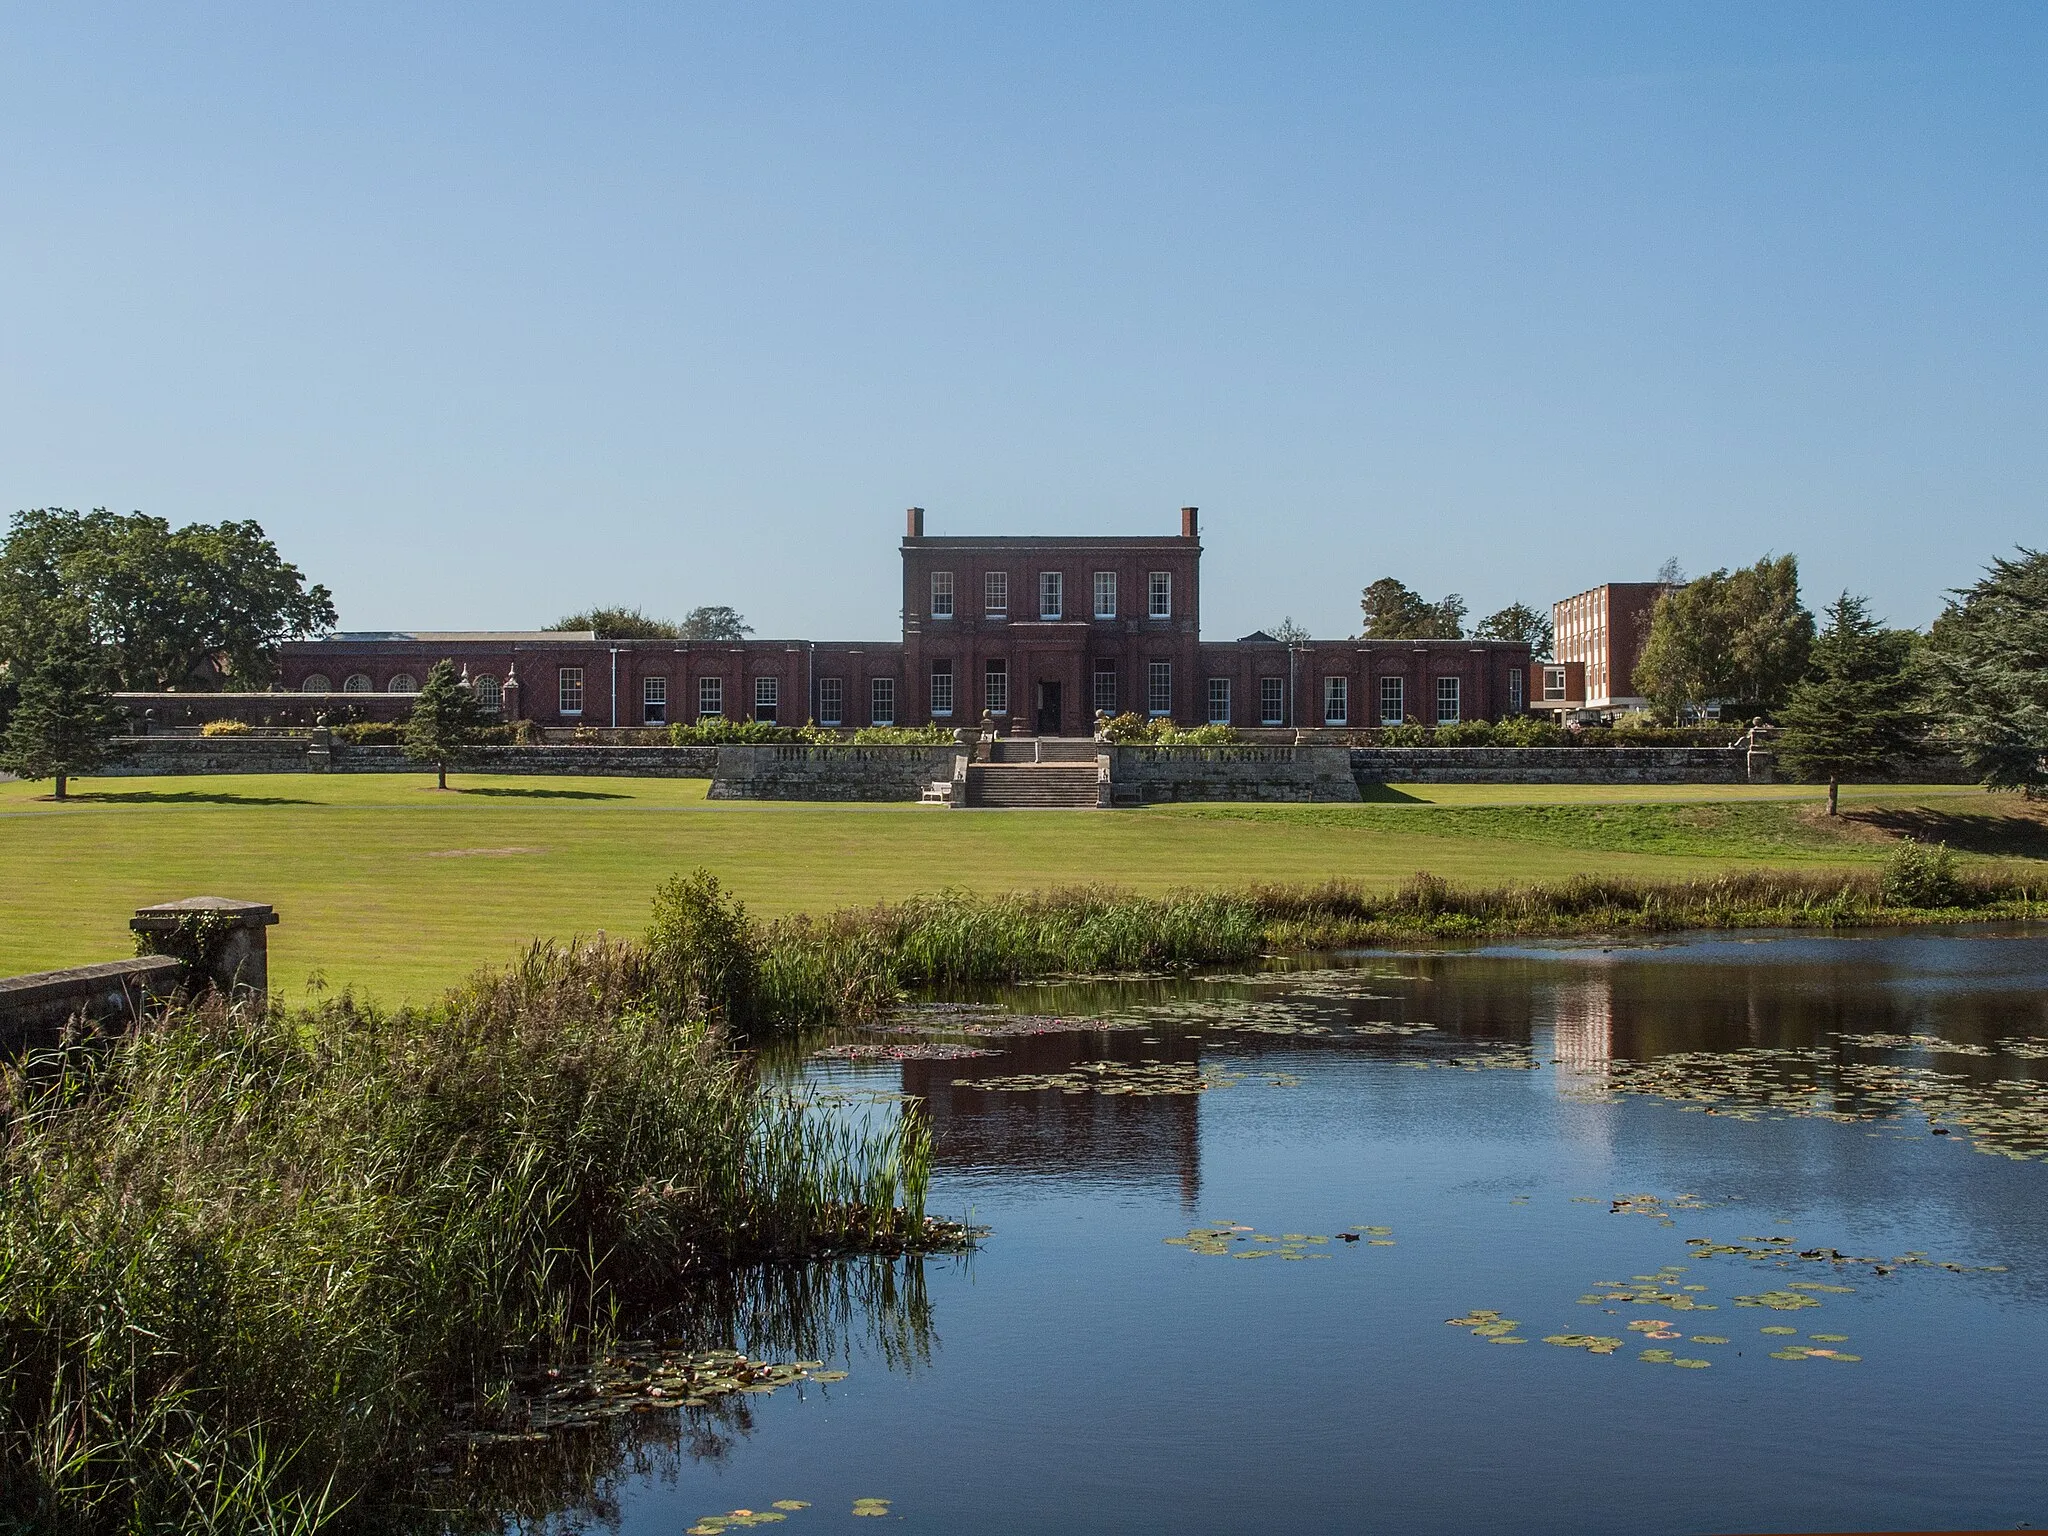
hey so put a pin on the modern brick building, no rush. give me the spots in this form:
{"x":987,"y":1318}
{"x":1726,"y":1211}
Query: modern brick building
{"x":1038,"y":633}
{"x":1599,"y":637}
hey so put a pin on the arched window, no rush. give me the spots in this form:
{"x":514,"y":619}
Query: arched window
{"x":403,"y":683}
{"x":317,"y":683}
{"x":489,"y":696}
{"x":357,"y":683}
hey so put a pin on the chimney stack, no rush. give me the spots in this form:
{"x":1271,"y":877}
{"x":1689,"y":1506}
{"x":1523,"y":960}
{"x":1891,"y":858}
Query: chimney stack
{"x":913,"y":523}
{"x":1187,"y":521}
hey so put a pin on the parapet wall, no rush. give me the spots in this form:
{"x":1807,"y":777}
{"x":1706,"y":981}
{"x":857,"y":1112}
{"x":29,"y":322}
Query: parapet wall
{"x":151,"y":756}
{"x":829,"y":772}
{"x":1147,"y":775}
{"x":1550,"y":765}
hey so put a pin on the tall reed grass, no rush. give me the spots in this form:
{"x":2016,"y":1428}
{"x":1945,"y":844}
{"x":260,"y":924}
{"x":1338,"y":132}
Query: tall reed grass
{"x":246,"y":1258}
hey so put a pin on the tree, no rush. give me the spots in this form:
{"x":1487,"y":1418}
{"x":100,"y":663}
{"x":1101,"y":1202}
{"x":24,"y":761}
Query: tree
{"x":1738,"y":636}
{"x":1853,"y":712}
{"x":619,"y":624}
{"x":1394,"y":612}
{"x":446,"y":725}
{"x":1287,"y":632}
{"x":1985,"y":664}
{"x":63,"y":722}
{"x":1521,"y":623}
{"x":713,"y":624}
{"x":202,"y":602}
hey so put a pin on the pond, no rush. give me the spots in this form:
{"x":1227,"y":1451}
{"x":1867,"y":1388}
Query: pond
{"x":1734,"y":1234}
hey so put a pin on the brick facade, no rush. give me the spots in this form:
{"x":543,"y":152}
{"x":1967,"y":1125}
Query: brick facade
{"x":1049,"y":629}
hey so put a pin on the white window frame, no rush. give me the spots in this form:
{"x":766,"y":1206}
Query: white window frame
{"x":768,"y":696}
{"x":404,"y":682}
{"x":1336,"y":701}
{"x":1219,"y":701}
{"x":358,"y":682}
{"x":1272,"y":701}
{"x":1450,"y":693}
{"x":942,"y":594}
{"x":1556,"y":683}
{"x":882,"y":701}
{"x":942,"y":696}
{"x":1105,"y":594}
{"x":1104,"y":693}
{"x":1052,"y":594}
{"x":568,"y":690}
{"x":995,"y":687}
{"x":710,"y":698}
{"x":831,"y":701}
{"x":653,"y":696}
{"x":1517,"y":682}
{"x":492,"y":701}
{"x":1396,"y":689}
{"x":1158,"y":688}
{"x":317,"y":682}
{"x":995,"y":595}
{"x":1159,"y":595}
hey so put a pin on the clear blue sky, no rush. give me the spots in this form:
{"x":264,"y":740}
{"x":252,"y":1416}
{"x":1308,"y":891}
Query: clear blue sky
{"x":489,"y":312}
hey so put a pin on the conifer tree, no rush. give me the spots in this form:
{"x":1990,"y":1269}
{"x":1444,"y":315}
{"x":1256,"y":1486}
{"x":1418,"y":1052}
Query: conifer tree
{"x":63,"y":721}
{"x":1853,"y":712}
{"x":1986,"y":663}
{"x":446,"y":726}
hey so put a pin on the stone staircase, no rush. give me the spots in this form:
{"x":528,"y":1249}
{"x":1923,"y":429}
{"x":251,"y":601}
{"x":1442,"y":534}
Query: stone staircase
{"x":1038,"y":786}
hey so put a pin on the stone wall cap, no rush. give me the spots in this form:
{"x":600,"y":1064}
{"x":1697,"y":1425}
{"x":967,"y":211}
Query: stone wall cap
{"x":253,"y":914}
{"x":39,"y":984}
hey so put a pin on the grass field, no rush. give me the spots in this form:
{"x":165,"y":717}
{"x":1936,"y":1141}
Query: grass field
{"x":388,"y":886}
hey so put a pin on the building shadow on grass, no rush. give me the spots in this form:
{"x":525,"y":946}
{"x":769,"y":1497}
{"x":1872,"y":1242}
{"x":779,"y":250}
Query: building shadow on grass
{"x":542,"y":794}
{"x":2022,"y":834}
{"x":1387,"y":794}
{"x":179,"y":797}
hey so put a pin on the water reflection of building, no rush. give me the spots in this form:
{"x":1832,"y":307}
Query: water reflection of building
{"x":1126,"y":1138}
{"x":1582,"y":1034}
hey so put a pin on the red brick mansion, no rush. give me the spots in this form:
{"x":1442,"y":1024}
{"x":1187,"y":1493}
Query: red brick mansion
{"x":1039,"y":633}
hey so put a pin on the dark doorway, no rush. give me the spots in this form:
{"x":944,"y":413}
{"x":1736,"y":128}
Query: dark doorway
{"x":1048,"y":709}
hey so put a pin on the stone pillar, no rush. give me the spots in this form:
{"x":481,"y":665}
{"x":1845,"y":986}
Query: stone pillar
{"x":223,"y":943}
{"x":320,"y":754}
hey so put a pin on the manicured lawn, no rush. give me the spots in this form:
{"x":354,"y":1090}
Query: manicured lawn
{"x":384,"y":884}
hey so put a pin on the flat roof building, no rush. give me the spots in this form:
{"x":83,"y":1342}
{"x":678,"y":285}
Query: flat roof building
{"x":1037,"y":634}
{"x":1598,"y":638}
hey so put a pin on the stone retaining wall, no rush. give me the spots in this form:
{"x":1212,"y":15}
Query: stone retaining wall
{"x":829,"y":772}
{"x":1550,"y":765}
{"x":34,"y":1009}
{"x":1146,"y":775}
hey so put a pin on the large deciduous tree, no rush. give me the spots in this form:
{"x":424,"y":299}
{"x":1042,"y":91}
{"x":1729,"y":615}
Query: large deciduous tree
{"x":1740,"y":636}
{"x":720,"y":623}
{"x":1521,"y":623}
{"x":1853,"y":713}
{"x":63,"y":722}
{"x":203,"y":603}
{"x":1986,"y":668}
{"x":1395,"y":612}
{"x":619,"y":624}
{"x":446,"y":725}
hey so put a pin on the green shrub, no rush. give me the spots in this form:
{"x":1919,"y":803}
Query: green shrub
{"x":702,"y":951}
{"x":225,"y":728}
{"x":1407,"y":734}
{"x":372,"y":733}
{"x":902,"y":736}
{"x":717,"y":731}
{"x":1135,"y":730}
{"x":1922,"y":875}
{"x":1464,"y":733}
{"x":1528,"y":731}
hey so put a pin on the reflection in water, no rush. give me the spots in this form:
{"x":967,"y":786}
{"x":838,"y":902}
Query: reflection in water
{"x":1099,"y":1377}
{"x":873,"y":1310}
